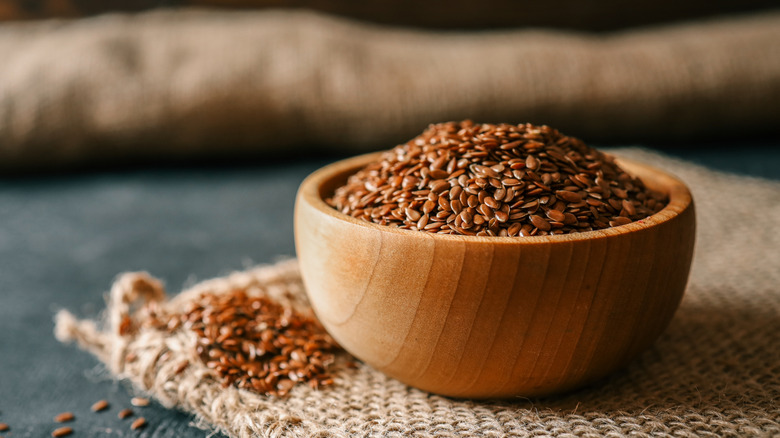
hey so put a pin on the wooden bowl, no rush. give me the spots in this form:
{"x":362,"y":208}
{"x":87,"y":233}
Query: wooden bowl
{"x":485,"y":317}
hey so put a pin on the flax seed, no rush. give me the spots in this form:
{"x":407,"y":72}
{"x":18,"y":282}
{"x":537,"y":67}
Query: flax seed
{"x":489,"y":168}
{"x":139,"y":401}
{"x":556,"y":215}
{"x":539,"y":222}
{"x":531,"y":162}
{"x":181,"y":367}
{"x":62,"y":431}
{"x":64,"y":417}
{"x":491,"y":202}
{"x":138,"y":423}
{"x":439,"y":174}
{"x":124,"y":413}
{"x":99,"y":406}
{"x":257,"y":344}
{"x":628,"y":206}
{"x":568,"y":196}
{"x":619,"y":220}
{"x":439,"y":186}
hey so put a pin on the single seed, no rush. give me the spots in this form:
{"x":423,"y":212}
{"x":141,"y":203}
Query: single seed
{"x":124,"y":413}
{"x":556,"y":215}
{"x":539,"y":222}
{"x":62,"y":431}
{"x":466,"y":218}
{"x":181,"y":367}
{"x":439,"y":186}
{"x":285,"y":385}
{"x":569,"y":219}
{"x":511,"y":145}
{"x":629,"y":207}
{"x":439,"y":174}
{"x":138,"y":423}
{"x":423,"y":221}
{"x":619,"y":220}
{"x":568,"y":196}
{"x":485,"y":210}
{"x":491,"y":202}
{"x":125,"y":326}
{"x":455,"y":192}
{"x":4,"y":427}
{"x":64,"y":417}
{"x":99,"y":406}
{"x":139,"y":401}
{"x":531,"y":162}
{"x":530,"y":205}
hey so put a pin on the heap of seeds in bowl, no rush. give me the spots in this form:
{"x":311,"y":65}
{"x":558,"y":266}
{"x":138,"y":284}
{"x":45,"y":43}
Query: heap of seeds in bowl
{"x":496,"y":180}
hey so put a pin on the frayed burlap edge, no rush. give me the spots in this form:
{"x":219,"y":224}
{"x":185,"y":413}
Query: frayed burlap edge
{"x":156,"y":354}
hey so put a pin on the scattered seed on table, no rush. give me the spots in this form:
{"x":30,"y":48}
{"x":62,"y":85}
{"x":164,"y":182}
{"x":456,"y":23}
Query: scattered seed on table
{"x":139,"y":401}
{"x":100,"y":406}
{"x":62,"y":431}
{"x":138,"y":423}
{"x":64,"y":417}
{"x":124,"y":413}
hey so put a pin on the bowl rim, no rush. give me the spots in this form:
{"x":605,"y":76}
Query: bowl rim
{"x":680,"y":199}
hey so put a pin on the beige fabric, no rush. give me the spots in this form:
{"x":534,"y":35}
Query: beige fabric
{"x":714,"y":373}
{"x":173,"y":84}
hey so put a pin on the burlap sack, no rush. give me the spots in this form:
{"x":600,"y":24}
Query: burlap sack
{"x":188,"y":83}
{"x":714,"y":373}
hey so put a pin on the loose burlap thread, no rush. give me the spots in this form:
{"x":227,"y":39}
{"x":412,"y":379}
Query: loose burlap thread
{"x":194,"y":83}
{"x":714,"y":372}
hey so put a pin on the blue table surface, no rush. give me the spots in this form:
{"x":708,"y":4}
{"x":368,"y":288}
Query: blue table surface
{"x":64,"y":238}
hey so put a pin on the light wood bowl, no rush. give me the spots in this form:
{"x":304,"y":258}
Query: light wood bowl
{"x":485,"y":317}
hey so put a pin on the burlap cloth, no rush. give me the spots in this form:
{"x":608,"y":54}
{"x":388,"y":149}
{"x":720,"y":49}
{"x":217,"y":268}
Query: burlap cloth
{"x":714,"y":372}
{"x":191,"y":83}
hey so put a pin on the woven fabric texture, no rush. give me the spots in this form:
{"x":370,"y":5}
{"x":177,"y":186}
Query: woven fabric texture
{"x":715,"y":372}
{"x":192,"y":83}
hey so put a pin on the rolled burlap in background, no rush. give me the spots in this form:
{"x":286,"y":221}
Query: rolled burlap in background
{"x":176,"y":84}
{"x":593,"y":15}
